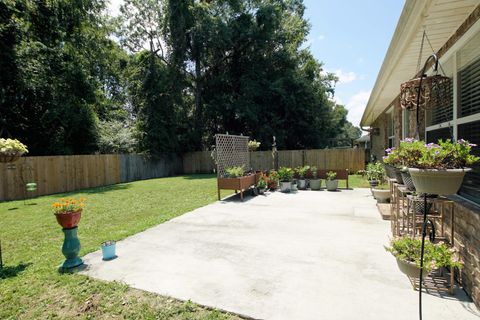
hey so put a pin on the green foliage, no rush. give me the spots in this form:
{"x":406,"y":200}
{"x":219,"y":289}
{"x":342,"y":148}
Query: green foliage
{"x":435,"y":255}
{"x":444,"y":155}
{"x":253,"y":145}
{"x":314,"y":172}
{"x":262,"y":182}
{"x":55,"y":62}
{"x":331,"y":175}
{"x":116,"y":137}
{"x":12,"y":147}
{"x":285,"y":174}
{"x":375,"y":171}
{"x":235,"y":172}
{"x":302,"y":171}
{"x":185,"y":71}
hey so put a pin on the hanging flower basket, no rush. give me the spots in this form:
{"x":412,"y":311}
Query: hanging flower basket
{"x":435,"y":181}
{"x":11,"y":150}
{"x":8,"y":157}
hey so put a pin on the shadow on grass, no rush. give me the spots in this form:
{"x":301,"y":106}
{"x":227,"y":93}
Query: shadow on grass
{"x":100,"y":190}
{"x":200,"y":176}
{"x":10,"y":272}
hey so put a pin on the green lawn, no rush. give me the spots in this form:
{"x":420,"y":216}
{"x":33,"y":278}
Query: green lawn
{"x":31,"y":287}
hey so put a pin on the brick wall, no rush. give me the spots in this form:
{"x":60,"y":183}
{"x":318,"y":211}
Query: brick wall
{"x":467,"y":242}
{"x":379,"y":142}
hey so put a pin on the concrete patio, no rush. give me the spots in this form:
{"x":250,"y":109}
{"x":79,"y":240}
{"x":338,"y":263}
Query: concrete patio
{"x":309,"y":255}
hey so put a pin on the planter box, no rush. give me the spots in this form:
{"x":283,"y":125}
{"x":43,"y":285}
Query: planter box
{"x":433,"y":181}
{"x":241,"y":183}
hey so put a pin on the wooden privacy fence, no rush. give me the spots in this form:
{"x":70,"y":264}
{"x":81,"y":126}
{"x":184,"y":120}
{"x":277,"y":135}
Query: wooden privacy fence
{"x":56,"y":174}
{"x":352,"y":159}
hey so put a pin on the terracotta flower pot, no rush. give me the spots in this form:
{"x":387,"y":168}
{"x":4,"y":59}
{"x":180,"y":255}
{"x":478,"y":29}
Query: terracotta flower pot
{"x":433,"y":181}
{"x":69,"y":220}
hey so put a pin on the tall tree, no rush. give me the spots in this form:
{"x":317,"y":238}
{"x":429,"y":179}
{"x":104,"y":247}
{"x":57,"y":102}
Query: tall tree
{"x":55,"y":50}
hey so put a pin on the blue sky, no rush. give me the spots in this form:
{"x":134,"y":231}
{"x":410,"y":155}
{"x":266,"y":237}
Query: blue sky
{"x":351,"y":38}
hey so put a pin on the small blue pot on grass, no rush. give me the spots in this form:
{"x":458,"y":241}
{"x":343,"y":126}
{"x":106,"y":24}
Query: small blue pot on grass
{"x":108,"y":250}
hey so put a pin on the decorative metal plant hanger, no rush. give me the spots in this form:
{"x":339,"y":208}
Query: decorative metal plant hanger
{"x":425,"y":93}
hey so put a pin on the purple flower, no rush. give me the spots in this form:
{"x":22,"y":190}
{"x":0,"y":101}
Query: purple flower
{"x":409,"y":140}
{"x":432,"y":145}
{"x":472,"y":145}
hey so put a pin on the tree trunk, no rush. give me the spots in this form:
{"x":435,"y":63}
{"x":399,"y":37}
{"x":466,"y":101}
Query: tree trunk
{"x":198,"y":125}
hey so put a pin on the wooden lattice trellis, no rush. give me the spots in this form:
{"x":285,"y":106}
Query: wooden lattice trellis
{"x":231,"y":151}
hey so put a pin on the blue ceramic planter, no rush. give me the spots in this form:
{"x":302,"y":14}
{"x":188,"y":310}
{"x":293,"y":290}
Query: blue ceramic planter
{"x":108,"y":250}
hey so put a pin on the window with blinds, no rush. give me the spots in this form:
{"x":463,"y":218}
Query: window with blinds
{"x":469,"y":84}
{"x":443,"y":133}
{"x":443,"y":113}
{"x":471,"y":183}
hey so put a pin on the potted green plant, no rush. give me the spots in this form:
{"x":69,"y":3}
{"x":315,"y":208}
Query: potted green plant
{"x":393,"y":164}
{"x":375,"y":174}
{"x":11,"y":150}
{"x":272,"y":180}
{"x":301,"y":173}
{"x":68,"y":213}
{"x":262,"y":184}
{"x":285,"y":176}
{"x":437,"y":168}
{"x":331,"y":182}
{"x":407,"y":252}
{"x":315,"y":183}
